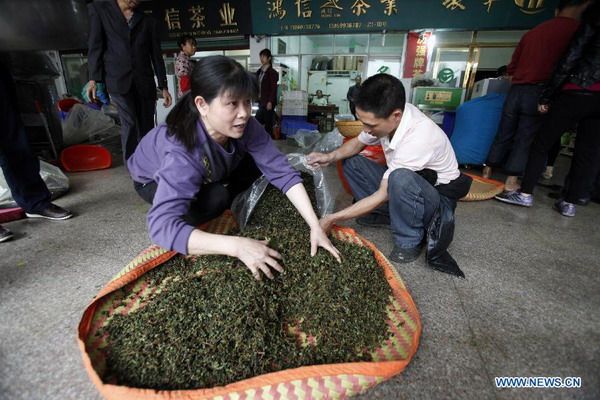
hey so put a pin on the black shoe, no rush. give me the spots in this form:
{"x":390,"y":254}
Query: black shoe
{"x":405,"y":255}
{"x":53,"y":212}
{"x":5,"y":234}
{"x":375,"y":220}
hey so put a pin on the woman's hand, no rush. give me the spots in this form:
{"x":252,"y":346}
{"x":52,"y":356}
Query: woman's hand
{"x":542,"y":108}
{"x":257,"y":256}
{"x":318,"y":238}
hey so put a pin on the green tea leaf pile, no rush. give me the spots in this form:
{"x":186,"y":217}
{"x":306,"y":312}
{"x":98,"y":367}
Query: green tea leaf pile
{"x":210,"y":323}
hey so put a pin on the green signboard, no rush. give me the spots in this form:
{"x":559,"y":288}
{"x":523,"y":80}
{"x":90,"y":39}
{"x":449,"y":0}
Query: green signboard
{"x":274,"y":17}
{"x":437,"y":98}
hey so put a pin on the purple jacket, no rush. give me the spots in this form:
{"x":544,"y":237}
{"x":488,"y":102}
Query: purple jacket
{"x":180,"y":175}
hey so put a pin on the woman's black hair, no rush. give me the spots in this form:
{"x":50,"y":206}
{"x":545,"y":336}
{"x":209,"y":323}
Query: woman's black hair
{"x":185,"y":39}
{"x":212,"y":76}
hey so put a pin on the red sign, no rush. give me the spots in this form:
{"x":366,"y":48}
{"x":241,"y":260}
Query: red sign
{"x":416,"y":54}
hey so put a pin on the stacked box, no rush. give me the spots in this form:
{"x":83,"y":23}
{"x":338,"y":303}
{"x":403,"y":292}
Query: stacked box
{"x":295,"y":103}
{"x":295,"y":95}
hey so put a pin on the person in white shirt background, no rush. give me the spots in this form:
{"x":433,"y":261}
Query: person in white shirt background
{"x":319,"y":100}
{"x":421,"y":168}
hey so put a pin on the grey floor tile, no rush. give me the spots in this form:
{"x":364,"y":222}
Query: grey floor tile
{"x":529,"y":305}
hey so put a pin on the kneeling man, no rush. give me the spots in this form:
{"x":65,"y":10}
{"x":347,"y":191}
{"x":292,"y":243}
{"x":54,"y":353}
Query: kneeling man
{"x":416,"y":193}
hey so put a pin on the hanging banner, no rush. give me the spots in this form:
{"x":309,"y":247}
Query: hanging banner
{"x":417,"y":48}
{"x":199,"y":18}
{"x":287,"y":17}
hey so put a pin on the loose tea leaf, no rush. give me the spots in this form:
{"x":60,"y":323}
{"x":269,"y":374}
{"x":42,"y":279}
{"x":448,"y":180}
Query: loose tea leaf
{"x":208,"y":322}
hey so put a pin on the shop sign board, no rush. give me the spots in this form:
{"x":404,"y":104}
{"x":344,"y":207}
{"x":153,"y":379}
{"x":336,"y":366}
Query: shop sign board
{"x":273,"y":17}
{"x":416,"y":54}
{"x":199,"y":18}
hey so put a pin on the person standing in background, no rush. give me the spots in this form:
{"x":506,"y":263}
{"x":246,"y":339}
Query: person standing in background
{"x":267,"y":84}
{"x":530,"y":68}
{"x":124,"y":51}
{"x":20,"y":166}
{"x":351,"y":93}
{"x":184,"y":65}
{"x":573,"y":96}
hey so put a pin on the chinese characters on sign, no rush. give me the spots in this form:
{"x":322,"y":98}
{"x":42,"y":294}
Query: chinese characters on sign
{"x":530,"y":6}
{"x":172,"y":18}
{"x":390,"y":7}
{"x":453,"y":4}
{"x":489,"y":3}
{"x":275,"y":8}
{"x":378,"y":12}
{"x":303,"y":8}
{"x":359,"y":7}
{"x":416,"y":54}
{"x":197,"y":18}
{"x":200,"y":18}
{"x":272,"y":17}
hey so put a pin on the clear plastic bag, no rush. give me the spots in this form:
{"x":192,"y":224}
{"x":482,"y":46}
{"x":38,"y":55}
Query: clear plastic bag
{"x":330,"y":142}
{"x":306,"y":138}
{"x":245,"y":202}
{"x":83,"y":124}
{"x":53,"y":177}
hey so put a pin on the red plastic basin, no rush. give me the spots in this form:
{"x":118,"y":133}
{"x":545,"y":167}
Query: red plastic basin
{"x":85,"y":157}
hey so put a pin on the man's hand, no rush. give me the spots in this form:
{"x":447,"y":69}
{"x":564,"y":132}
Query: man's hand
{"x":542,"y":108}
{"x":269,"y":106}
{"x":167,"y":97}
{"x":91,"y":90}
{"x":319,"y":160}
{"x":326,"y":223}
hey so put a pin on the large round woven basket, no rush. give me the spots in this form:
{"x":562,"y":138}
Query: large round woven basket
{"x":483,"y":189}
{"x":349,"y":129}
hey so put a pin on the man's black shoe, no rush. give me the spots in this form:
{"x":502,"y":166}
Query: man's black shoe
{"x":405,"y":255}
{"x":375,"y":220}
{"x":5,"y":234}
{"x":53,"y":212}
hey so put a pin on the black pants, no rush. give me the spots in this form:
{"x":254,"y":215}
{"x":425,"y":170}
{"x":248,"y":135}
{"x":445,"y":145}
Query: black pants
{"x":520,"y":122}
{"x":19,"y":164}
{"x":265,"y":117}
{"x":137,"y":118}
{"x":570,"y":107}
{"x":213,"y":198}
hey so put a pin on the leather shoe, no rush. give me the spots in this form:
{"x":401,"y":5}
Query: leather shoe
{"x":53,"y":212}
{"x":5,"y":234}
{"x":375,"y":220}
{"x":405,"y":255}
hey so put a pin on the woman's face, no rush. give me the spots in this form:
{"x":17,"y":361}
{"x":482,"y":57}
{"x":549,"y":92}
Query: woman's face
{"x":189,"y":48}
{"x":225,"y":117}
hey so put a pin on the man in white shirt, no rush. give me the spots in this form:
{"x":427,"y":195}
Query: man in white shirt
{"x":421,"y":168}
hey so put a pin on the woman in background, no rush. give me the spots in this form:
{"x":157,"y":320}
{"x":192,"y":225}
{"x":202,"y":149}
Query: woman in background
{"x":184,"y":65}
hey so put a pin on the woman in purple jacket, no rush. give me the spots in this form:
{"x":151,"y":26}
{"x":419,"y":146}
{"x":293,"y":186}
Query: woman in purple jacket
{"x":191,"y":168}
